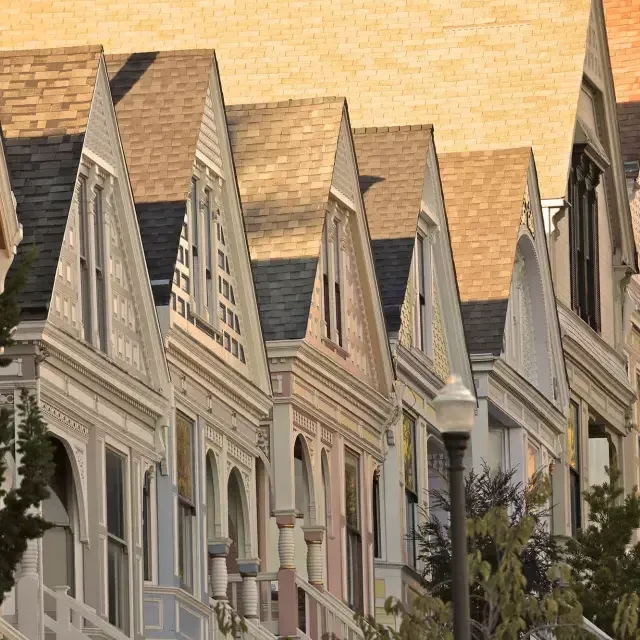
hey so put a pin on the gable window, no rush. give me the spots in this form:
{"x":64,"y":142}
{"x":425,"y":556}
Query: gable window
{"x":410,"y":485}
{"x":101,"y":292}
{"x":583,"y":235}
{"x":117,"y":551}
{"x":186,"y":499}
{"x":573,"y":446}
{"x":208,"y":222}
{"x":354,"y":534}
{"x":195,"y":242}
{"x":331,"y":281}
{"x":424,"y":295}
{"x":85,"y":287}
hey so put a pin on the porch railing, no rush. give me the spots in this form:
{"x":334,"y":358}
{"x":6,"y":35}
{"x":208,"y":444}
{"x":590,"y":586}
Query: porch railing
{"x":75,"y":620}
{"x":9,"y":632}
{"x":268,"y":605}
{"x":325,"y":614}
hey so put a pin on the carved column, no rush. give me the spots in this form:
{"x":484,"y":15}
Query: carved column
{"x":28,"y":593}
{"x":314,"y":537}
{"x":218,"y":551}
{"x":249,"y":568}
{"x":288,"y":592}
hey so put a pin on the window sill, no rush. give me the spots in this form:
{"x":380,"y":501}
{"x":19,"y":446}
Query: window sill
{"x":343,"y":353}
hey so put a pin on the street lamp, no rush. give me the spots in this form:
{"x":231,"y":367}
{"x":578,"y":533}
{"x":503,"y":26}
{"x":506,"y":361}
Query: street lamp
{"x":455,"y":408}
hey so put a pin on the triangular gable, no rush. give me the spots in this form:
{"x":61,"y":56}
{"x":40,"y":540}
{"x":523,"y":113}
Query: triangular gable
{"x":364,"y":343}
{"x":597,"y":70}
{"x":132,"y":333}
{"x":243,"y":324}
{"x":44,"y":119}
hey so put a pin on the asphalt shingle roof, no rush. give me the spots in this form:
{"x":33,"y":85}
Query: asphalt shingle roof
{"x":45,"y":98}
{"x":160,"y":101}
{"x":284,"y":154}
{"x":484,"y":192}
{"x":392,"y":162}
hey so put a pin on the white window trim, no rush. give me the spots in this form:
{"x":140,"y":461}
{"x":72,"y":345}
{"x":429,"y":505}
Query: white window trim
{"x":426,"y":234}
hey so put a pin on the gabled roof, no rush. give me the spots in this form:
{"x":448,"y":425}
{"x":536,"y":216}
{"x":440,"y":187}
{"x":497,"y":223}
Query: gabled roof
{"x":484,"y":193}
{"x":160,"y":100}
{"x":392,"y":162}
{"x":45,"y":98}
{"x":284,"y":155}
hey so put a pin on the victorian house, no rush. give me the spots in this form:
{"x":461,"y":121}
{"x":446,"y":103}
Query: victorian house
{"x":331,"y":367}
{"x":213,"y":488}
{"x":88,"y":346}
{"x":510,"y":315}
{"x":400,"y":183}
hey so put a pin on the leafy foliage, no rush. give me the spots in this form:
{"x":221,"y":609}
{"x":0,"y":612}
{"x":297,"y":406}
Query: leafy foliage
{"x":485,"y":491}
{"x":19,"y":521}
{"x":605,"y":569}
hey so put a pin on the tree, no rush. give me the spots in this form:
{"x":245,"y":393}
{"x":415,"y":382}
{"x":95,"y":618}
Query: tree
{"x":506,"y":608}
{"x":19,"y":521}
{"x":485,"y":491}
{"x":605,"y":566}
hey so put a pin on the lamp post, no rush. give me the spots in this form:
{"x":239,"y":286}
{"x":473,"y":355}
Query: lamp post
{"x":455,"y":408}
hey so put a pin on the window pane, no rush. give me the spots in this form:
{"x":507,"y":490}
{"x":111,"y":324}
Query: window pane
{"x":115,"y":493}
{"x":411,"y":503}
{"x":352,"y":491}
{"x":146,"y":526}
{"x":409,"y":449}
{"x":496,"y":449}
{"x":185,"y":542}
{"x":573,"y":435}
{"x":184,"y":456}
{"x":533,"y":460}
{"x":377,"y":538}
{"x":118,"y":584}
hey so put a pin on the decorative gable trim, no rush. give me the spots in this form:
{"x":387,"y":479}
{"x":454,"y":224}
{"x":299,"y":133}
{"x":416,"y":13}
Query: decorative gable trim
{"x":147,"y":316}
{"x":600,"y":74}
{"x":257,"y":354}
{"x":346,"y":168}
{"x":10,"y":227}
{"x":444,"y":274}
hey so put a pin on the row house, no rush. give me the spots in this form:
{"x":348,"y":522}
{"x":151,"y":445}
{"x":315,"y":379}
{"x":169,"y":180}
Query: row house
{"x":88,"y":346}
{"x":400,"y":183}
{"x":331,"y":367}
{"x":213,"y":486}
{"x":510,"y":315}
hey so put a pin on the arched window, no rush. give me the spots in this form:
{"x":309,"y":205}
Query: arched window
{"x":302,"y":488}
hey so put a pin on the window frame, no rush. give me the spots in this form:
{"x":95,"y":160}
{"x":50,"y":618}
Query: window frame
{"x":410,"y":490}
{"x":575,"y":479}
{"x":354,"y":547}
{"x":187,"y":511}
{"x":377,"y":514}
{"x":83,"y":252}
{"x":333,"y":278}
{"x":99,"y":264}
{"x":120,"y":617}
{"x":147,"y":526}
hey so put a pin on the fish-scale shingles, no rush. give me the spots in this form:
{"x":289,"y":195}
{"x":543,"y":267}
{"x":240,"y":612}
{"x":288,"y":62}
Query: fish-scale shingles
{"x":160,"y":100}
{"x":284,"y":155}
{"x":392,"y":162}
{"x":45,"y":98}
{"x":484,"y":194}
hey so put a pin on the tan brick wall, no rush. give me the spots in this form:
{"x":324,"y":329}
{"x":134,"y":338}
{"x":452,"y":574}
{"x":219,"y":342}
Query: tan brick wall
{"x":507,"y":71}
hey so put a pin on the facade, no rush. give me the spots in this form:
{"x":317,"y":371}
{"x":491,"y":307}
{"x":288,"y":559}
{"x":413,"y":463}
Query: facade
{"x":401,"y":187}
{"x":242,"y":307}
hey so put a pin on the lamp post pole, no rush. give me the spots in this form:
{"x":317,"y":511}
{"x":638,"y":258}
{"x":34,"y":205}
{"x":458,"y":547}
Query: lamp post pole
{"x":456,"y":444}
{"x":455,"y":414}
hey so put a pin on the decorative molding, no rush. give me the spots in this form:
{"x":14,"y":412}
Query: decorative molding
{"x":235,"y":452}
{"x":213,"y":436}
{"x":305,"y":423}
{"x":263,"y":440}
{"x":64,"y":419}
{"x":326,"y":436}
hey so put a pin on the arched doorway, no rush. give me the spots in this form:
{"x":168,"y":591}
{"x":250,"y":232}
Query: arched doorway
{"x":59,"y":508}
{"x":238,"y":530}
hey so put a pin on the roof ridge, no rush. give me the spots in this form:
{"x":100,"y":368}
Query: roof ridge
{"x":296,"y":102}
{"x":90,"y":48}
{"x":393,"y":128}
{"x":166,"y":53}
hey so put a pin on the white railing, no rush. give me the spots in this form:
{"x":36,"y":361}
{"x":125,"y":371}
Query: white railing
{"x":325,"y":614}
{"x":73,"y":617}
{"x":268,"y":610}
{"x":9,"y":632}
{"x":598,"y":633}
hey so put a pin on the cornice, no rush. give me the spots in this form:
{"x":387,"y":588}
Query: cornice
{"x":417,"y":373}
{"x":126,"y":387}
{"x":222,"y":377}
{"x":535,"y":401}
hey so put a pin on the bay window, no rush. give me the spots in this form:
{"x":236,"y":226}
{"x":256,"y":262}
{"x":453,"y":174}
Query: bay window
{"x":354,"y":532}
{"x":186,"y":499}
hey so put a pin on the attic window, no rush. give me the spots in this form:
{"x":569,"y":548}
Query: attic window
{"x":332,"y":277}
{"x":586,"y":171}
{"x":422,"y":264}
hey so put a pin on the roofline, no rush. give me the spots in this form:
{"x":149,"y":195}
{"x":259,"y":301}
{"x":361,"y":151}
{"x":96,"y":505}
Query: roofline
{"x":90,"y":48}
{"x":296,"y":102}
{"x":393,"y":128}
{"x":162,"y":53}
